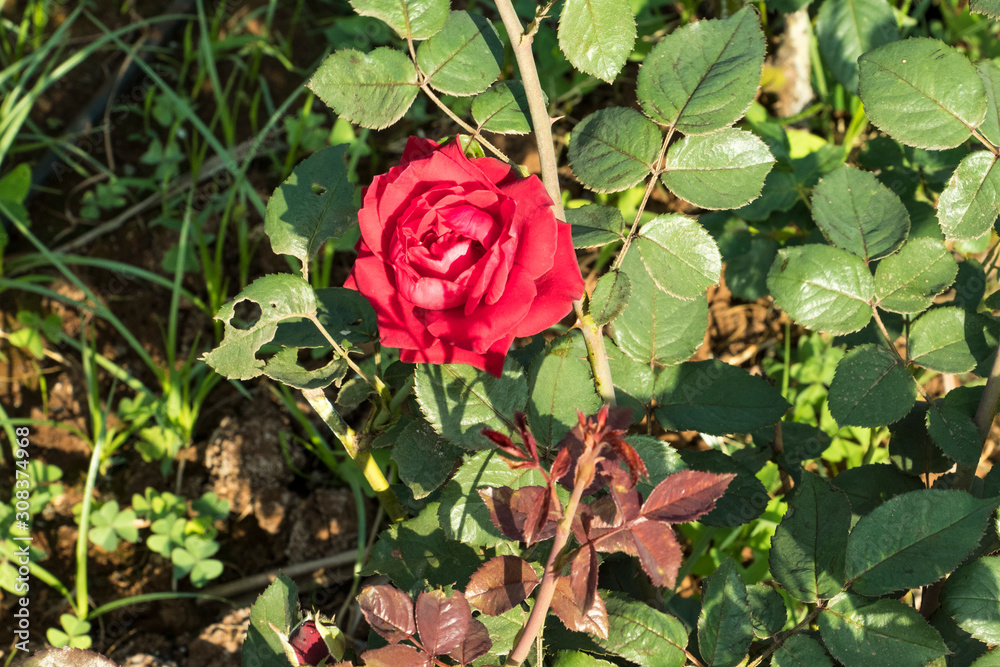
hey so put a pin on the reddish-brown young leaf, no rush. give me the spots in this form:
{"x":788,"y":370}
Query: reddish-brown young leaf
{"x":389,"y":611}
{"x":530,"y":445}
{"x":583,"y":576}
{"x":442,"y":621}
{"x":514,"y":454}
{"x":659,"y":553}
{"x":593,"y":620}
{"x":685,"y":496}
{"x":501,"y":584}
{"x":477,"y":643}
{"x":626,"y":453}
{"x":563,"y":466}
{"x":542,"y":512}
{"x":502,"y":515}
{"x":623,"y":491}
{"x":396,"y":655}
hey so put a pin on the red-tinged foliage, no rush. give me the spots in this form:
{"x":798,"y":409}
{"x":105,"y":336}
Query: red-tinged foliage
{"x":583,"y":576}
{"x":517,"y":456}
{"x":599,"y":439}
{"x":389,"y":611}
{"x":685,"y":496}
{"x":442,"y":621}
{"x":501,"y":584}
{"x":510,"y":510}
{"x":593,"y":620}
{"x":476,"y":644}
{"x":396,"y":655}
{"x":659,"y":553}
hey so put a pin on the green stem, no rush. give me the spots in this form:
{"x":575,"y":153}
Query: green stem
{"x":81,"y":538}
{"x":985,"y":413}
{"x":520,"y":41}
{"x":359,"y":453}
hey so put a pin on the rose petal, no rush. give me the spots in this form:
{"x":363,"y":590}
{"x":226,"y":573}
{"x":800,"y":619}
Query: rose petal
{"x":556,"y":290}
{"x":488,"y":323}
{"x":534,"y":224}
{"x":398,"y":326}
{"x":416,"y":148}
{"x":441,"y":353}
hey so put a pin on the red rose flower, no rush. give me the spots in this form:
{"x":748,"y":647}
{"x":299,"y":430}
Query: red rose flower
{"x":459,"y":256}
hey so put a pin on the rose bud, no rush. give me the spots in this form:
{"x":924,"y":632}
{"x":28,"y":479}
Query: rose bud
{"x":313,"y":643}
{"x":458,"y":256}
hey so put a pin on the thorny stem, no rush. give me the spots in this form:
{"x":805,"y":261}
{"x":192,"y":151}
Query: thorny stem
{"x":358,"y":452}
{"x":373,"y":382}
{"x":461,"y":123}
{"x":548,"y":588}
{"x":520,"y":41}
{"x":985,"y":413}
{"x":655,"y":172}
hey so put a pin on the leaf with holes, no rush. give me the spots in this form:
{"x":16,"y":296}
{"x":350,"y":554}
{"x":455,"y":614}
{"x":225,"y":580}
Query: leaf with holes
{"x":464,"y":58}
{"x":613,"y":149}
{"x":859,"y":214}
{"x":313,"y":205}
{"x":864,"y":373}
{"x":373,"y":89}
{"x":823,"y":288}
{"x":908,"y":281}
{"x":679,"y":255}
{"x":703,"y":76}
{"x":725,"y":169}
{"x":414,"y":19}
{"x":597,"y":35}
{"x":501,"y":584}
{"x":921,"y":92}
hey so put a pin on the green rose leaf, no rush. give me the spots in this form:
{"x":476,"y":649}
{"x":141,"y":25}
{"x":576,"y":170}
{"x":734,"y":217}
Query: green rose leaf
{"x":371,"y":89}
{"x":871,"y":388}
{"x":414,"y":19}
{"x":954,"y":432}
{"x":613,"y":149}
{"x":989,"y":72}
{"x":277,"y":606}
{"x":460,"y":401}
{"x":870,"y":485}
{"x":721,"y":170}
{"x":432,"y":560}
{"x":767,"y":610}
{"x":594,"y":225}
{"x":823,"y":288}
{"x":845,"y":30}
{"x":922,"y":92}
{"x":597,"y":35}
{"x":680,"y":256}
{"x":703,"y":76}
{"x":463,"y":514}
{"x":799,"y":650}
{"x":809,"y":545}
{"x":424,"y":458}
{"x":859,"y":214}
{"x":610,"y":297}
{"x":560,"y":382}
{"x":281,"y":297}
{"x":632,"y":379}
{"x":660,"y":458}
{"x":313,"y":205}
{"x":860,"y":632}
{"x":641,"y":634}
{"x":970,"y":202}
{"x":914,"y":539}
{"x":911,"y":448}
{"x":972,"y":597}
{"x":937,"y":341}
{"x":990,"y":8}
{"x":716,"y":398}
{"x":503,"y":108}
{"x":656,"y":328}
{"x":908,"y":281}
{"x":724,"y":627}
{"x":465,"y":57}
